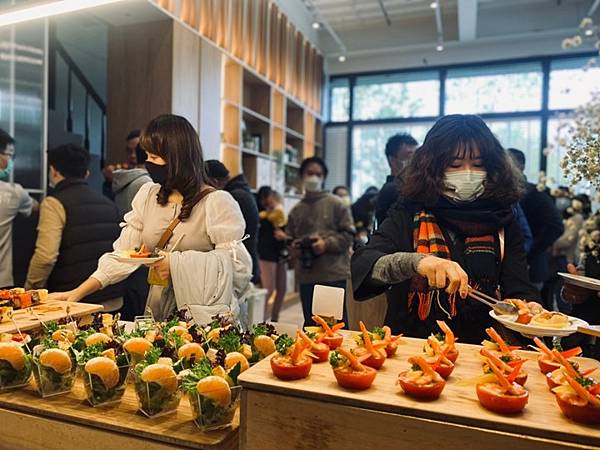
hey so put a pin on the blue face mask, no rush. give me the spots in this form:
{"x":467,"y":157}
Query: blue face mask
{"x":5,"y":173}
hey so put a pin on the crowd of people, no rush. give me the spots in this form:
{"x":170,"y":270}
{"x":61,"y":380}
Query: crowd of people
{"x":456,"y":210}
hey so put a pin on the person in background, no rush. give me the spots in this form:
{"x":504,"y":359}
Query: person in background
{"x":131,"y":161}
{"x":322,"y":233}
{"x":344,"y":194}
{"x":545,"y":223}
{"x":127,"y":182}
{"x":238,"y":187}
{"x":13,"y":200}
{"x":77,"y":225}
{"x":363,"y":213}
{"x":453,"y":227}
{"x":272,"y":250}
{"x":524,"y":225}
{"x":398,"y":151}
{"x":210,"y":271}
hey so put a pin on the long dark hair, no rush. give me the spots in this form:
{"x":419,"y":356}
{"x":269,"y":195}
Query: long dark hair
{"x":174,"y":139}
{"x":422,"y":181}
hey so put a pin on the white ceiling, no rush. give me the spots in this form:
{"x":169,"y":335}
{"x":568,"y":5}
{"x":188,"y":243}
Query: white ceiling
{"x":364,"y":28}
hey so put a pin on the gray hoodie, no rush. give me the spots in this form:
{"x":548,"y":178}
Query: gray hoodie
{"x":126,"y":183}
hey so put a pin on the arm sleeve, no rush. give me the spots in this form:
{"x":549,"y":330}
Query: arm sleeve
{"x":396,"y":268}
{"x":110,"y":271}
{"x":25,"y":202}
{"x":514,"y":278}
{"x":383,"y":242}
{"x":50,"y":227}
{"x":553,"y":226}
{"x":341,"y":241}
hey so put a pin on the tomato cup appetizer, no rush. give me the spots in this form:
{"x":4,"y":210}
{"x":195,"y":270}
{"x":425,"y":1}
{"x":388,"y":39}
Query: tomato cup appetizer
{"x":557,"y":377}
{"x":500,"y":348}
{"x":439,"y":362}
{"x":291,"y":362}
{"x":421,"y":381}
{"x":547,"y":361}
{"x":503,"y":395}
{"x":507,"y":368}
{"x":578,"y":399}
{"x":331,"y":336}
{"x":384,"y":334}
{"x":319,"y":351}
{"x":370,"y":354}
{"x":349,"y":372}
{"x":447,"y":342}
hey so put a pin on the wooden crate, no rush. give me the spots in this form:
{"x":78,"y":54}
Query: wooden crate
{"x":316,"y":413}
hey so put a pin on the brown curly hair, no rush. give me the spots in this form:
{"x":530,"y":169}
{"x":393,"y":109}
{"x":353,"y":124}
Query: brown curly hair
{"x":174,"y":139}
{"x":422,"y":181}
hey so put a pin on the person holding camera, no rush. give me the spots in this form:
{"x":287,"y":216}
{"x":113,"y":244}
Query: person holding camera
{"x":321,"y":231}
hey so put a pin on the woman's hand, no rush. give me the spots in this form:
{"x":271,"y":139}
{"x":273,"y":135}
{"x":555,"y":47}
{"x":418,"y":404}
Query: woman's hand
{"x":88,"y":287}
{"x":575,"y":294}
{"x":443,"y":273}
{"x":62,"y":296}
{"x":279,"y":234}
{"x":163,"y":267}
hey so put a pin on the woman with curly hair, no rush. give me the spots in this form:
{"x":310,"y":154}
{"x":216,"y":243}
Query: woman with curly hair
{"x":211,"y":269}
{"x":453,"y":227}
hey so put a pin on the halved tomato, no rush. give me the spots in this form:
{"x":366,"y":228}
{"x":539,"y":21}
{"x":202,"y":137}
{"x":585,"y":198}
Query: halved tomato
{"x":493,"y":397}
{"x":284,"y":369}
{"x":443,"y":369}
{"x":554,"y":379}
{"x":429,"y":391}
{"x":351,"y":379}
{"x":320,"y":351}
{"x":372,"y":361}
{"x":390,"y":349}
{"x":333,"y":341}
{"x":547,"y":365}
{"x":452,"y":355}
{"x":578,"y":409}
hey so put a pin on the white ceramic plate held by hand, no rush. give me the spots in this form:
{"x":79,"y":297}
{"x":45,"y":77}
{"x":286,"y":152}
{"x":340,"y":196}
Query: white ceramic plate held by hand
{"x":125,"y":258}
{"x":581,"y":281}
{"x":535,"y":330}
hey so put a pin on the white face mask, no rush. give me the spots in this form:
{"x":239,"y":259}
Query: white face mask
{"x":312,"y":183}
{"x":465,"y":185}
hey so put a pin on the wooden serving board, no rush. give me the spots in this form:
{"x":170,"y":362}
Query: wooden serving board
{"x":176,"y":430}
{"x":458,"y":404}
{"x":47,"y":312}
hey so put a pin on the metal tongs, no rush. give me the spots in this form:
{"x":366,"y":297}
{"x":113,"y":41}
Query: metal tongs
{"x":500,"y":307}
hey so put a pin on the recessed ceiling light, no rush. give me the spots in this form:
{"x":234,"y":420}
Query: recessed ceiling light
{"x":433,"y":5}
{"x":342,"y":58}
{"x":589,"y":32}
{"x":440,"y":47}
{"x":316,"y":25}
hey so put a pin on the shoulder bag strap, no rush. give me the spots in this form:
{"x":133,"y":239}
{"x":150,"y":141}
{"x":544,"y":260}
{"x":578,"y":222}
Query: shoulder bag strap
{"x":168,"y":233}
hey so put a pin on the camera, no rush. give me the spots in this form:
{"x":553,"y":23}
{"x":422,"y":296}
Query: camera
{"x":307,"y":255}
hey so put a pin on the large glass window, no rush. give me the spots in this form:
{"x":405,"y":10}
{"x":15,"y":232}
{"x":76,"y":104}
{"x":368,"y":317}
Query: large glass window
{"x":572,"y":82}
{"x":370,"y":166}
{"x":340,"y":100}
{"x":523,"y":134}
{"x":397,"y":95}
{"x":506,"y":88}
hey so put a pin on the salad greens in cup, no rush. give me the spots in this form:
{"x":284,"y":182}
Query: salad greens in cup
{"x":15,"y":366}
{"x":54,"y":369}
{"x":104,"y":372}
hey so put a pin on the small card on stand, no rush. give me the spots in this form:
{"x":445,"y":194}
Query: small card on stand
{"x":328,"y":301}
{"x":285,"y":328}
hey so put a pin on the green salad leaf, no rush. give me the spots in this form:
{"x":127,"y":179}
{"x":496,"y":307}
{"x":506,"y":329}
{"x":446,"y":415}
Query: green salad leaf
{"x":283,"y":343}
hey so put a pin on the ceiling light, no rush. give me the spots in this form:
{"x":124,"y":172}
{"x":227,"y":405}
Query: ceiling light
{"x":440,"y":47}
{"x":342,"y":58}
{"x":589,"y":32}
{"x":49,"y":9}
{"x":316,"y":25}
{"x":433,"y":5}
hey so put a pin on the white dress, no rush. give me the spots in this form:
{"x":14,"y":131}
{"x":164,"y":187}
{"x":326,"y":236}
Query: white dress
{"x":211,"y":267}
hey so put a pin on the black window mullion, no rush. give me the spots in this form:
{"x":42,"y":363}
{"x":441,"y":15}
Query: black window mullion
{"x":349,"y":133}
{"x":443,"y":75}
{"x":545,"y":114}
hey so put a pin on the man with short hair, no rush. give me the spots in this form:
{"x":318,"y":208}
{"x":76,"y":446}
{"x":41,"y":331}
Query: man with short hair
{"x":134,"y":156}
{"x":544,"y":221}
{"x":398,"y":151}
{"x":322,"y":232}
{"x":13,"y":200}
{"x":77,"y":225}
{"x":238,"y":187}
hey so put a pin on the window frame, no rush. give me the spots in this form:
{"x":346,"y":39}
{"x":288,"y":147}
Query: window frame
{"x":544,"y":113}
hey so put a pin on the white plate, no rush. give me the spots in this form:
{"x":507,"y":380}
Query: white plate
{"x":124,"y":258}
{"x":581,"y":281}
{"x":532,"y":330}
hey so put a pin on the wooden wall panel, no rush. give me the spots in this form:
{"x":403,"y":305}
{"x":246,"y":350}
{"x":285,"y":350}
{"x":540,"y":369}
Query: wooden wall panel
{"x":134,"y":98}
{"x":273,"y":43}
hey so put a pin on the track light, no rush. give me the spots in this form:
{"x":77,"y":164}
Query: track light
{"x":316,"y":25}
{"x":342,"y":58}
{"x":440,"y":47}
{"x":433,"y":5}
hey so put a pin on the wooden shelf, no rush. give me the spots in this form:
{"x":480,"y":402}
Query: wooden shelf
{"x":256,"y":115}
{"x":248,"y":151}
{"x":294,"y":134}
{"x":292,"y":164}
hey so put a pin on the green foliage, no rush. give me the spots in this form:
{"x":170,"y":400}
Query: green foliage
{"x":283,"y":343}
{"x":378,"y":333}
{"x":230,"y":341}
{"x":199,"y":371}
{"x":335,"y":359}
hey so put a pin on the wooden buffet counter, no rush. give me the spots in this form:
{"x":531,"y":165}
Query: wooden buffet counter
{"x":315,"y":413}
{"x":68,"y":421}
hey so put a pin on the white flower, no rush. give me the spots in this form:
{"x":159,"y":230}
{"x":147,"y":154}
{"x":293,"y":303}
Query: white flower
{"x":577,"y":41}
{"x":567,"y":44}
{"x":597,"y":44}
{"x":586,"y":22}
{"x":577,"y":205}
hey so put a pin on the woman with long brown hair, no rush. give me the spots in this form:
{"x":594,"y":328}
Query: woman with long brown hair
{"x":211,"y":269}
{"x":453,"y":227}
